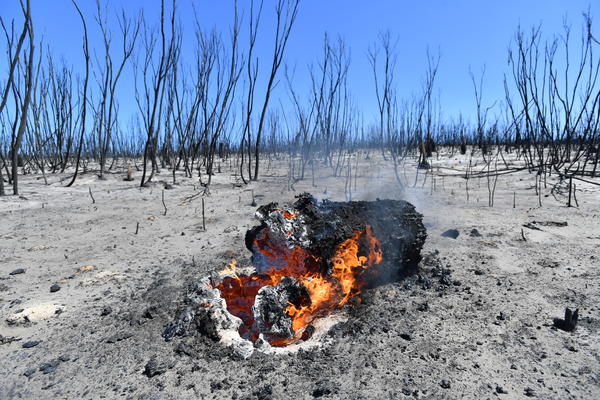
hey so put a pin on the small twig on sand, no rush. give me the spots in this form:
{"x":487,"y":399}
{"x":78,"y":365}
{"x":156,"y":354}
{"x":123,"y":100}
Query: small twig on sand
{"x":129,"y":178}
{"x":91,"y":195}
{"x":137,"y":227}
{"x":189,"y":199}
{"x":203,"y":217}
{"x":163,"y":202}
{"x":570,"y":191}
{"x":523,"y":235}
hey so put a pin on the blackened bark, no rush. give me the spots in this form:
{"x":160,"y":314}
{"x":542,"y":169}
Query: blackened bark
{"x":395,"y":223}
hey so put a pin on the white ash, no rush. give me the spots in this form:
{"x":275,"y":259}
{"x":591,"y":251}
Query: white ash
{"x":286,"y":232}
{"x":207,"y":314}
{"x":292,"y":230}
{"x":270,"y":306}
{"x":269,"y":313}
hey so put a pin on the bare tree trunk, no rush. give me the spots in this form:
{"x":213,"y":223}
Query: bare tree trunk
{"x":2,"y":192}
{"x":16,"y":145}
{"x":283,"y":30}
{"x":86,"y":55}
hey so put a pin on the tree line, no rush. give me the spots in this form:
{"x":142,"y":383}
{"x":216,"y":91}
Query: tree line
{"x":218,"y":107}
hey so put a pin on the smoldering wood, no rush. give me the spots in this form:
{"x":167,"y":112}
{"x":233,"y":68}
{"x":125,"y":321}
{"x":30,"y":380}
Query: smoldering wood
{"x":318,"y":227}
{"x":270,"y":306}
{"x":396,"y":223}
{"x":205,"y":311}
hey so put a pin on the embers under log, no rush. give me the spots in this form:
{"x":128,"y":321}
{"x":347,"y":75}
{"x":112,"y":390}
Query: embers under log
{"x":311,"y":258}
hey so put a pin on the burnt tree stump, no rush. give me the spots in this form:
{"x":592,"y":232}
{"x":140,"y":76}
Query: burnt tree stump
{"x":395,"y":223}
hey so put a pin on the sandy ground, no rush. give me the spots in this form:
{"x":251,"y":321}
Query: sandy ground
{"x":487,"y":335}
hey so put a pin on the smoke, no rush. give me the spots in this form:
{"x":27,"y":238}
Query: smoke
{"x":371,"y":179}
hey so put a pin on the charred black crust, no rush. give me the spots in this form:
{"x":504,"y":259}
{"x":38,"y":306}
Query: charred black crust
{"x":396,"y":223}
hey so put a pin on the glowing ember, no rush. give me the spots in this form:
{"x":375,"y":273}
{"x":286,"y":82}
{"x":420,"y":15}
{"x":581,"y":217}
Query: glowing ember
{"x":329,"y":283}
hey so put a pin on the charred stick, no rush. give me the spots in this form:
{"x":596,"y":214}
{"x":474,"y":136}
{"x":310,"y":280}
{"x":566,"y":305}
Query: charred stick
{"x":570,"y":191}
{"x":91,"y":195}
{"x":203,"y":216}
{"x":163,"y":202}
{"x":137,"y":227}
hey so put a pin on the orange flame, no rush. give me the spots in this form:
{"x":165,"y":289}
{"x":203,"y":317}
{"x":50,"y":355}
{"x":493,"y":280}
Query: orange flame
{"x":351,"y":260}
{"x":289,"y":215}
{"x":230,"y":270}
{"x":345,"y":281}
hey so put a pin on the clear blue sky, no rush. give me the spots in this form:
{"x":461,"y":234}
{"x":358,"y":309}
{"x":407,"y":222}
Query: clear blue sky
{"x":467,"y":34}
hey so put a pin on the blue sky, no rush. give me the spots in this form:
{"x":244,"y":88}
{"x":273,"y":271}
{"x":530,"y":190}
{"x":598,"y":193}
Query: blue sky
{"x":467,"y":34}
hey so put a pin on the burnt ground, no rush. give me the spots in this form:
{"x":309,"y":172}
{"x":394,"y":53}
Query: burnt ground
{"x":476,"y":323}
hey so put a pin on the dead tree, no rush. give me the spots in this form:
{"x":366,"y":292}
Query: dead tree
{"x":13,"y":59}
{"x":153,"y":78}
{"x":23,"y":105}
{"x":286,"y":11}
{"x":35,"y":138}
{"x":306,"y":127}
{"x":86,"y":56}
{"x":228,"y":75}
{"x":109,"y":77}
{"x":59,"y":118}
{"x":481,"y":114}
{"x":384,"y":84}
{"x":252,"y":76}
{"x":427,"y":145}
{"x":556,"y":105}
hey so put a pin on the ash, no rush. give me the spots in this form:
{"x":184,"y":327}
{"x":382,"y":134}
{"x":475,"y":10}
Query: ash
{"x":206,"y":313}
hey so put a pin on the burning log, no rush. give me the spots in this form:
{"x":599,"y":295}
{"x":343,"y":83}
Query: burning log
{"x":309,"y":258}
{"x":319,"y":227}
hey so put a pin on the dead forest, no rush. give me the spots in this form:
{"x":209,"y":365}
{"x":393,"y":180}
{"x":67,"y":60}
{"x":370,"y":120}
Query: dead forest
{"x":217,"y":113}
{"x":194,"y":206}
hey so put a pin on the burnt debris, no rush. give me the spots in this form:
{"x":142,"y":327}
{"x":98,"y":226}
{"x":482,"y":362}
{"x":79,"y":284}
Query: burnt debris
{"x":295,"y":248}
{"x":569,"y":323}
{"x":271,"y":303}
{"x":320,"y":227}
